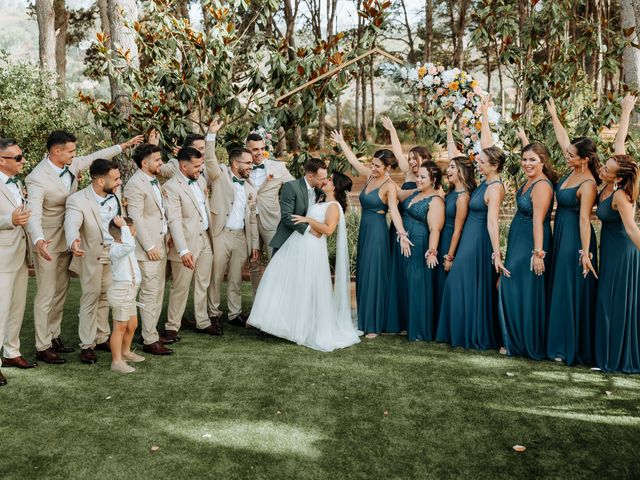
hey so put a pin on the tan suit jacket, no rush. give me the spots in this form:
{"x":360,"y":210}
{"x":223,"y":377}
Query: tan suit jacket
{"x":269,"y":194}
{"x":82,"y":220}
{"x":146,"y":213}
{"x":13,"y":240}
{"x":223,"y":196}
{"x":48,"y":195}
{"x":184,"y":217}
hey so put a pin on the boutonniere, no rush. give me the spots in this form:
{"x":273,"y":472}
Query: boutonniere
{"x":207,"y":192}
{"x":270,"y":177}
{"x":25,"y":193}
{"x":124,"y":203}
{"x":164,"y":193}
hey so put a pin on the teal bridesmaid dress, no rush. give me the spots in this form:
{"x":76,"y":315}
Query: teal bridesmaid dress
{"x":419,"y":300}
{"x":572,"y":298}
{"x":446,"y":235}
{"x":396,"y":310}
{"x":372,"y":262}
{"x":522,"y":297}
{"x":468,"y":316}
{"x":617,"y":331}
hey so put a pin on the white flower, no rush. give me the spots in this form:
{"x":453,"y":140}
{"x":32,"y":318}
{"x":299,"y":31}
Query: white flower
{"x":448,"y":76}
{"x":413,"y":75}
{"x":493,"y":116}
{"x":403,"y":73}
{"x":477,"y":147}
{"x":427,"y":81}
{"x":437,"y":80}
{"x":467,"y":114}
{"x":467,"y":141}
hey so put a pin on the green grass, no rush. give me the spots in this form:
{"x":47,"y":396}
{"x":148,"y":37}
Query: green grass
{"x":212,"y":408}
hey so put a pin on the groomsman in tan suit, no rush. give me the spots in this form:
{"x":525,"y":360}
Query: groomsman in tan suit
{"x":49,"y":185}
{"x":86,"y":228}
{"x":190,"y":253}
{"x":147,"y":208}
{"x":234,"y":230}
{"x":13,"y":255}
{"x":267,"y":176}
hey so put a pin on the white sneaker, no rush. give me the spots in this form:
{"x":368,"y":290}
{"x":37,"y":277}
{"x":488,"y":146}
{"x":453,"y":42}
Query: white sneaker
{"x":121,"y":367}
{"x":133,"y":357}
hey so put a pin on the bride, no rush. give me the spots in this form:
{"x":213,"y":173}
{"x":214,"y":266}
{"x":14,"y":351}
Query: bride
{"x":295,"y":299}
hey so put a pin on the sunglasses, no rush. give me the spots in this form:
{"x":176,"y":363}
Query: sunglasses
{"x":17,"y":158}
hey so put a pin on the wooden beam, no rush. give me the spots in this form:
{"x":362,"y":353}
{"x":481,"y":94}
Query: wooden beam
{"x":337,"y":69}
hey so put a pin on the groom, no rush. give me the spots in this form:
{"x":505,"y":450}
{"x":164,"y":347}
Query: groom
{"x":296,"y":197}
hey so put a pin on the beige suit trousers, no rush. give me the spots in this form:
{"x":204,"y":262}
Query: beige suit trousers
{"x":179,"y":293}
{"x":229,"y":252}
{"x":257,"y":268}
{"x":12,"y":303}
{"x":52,"y":280}
{"x":151,"y":296}
{"x":93,"y":324}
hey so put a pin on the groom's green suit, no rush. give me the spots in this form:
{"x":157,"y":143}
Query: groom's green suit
{"x":294,"y":200}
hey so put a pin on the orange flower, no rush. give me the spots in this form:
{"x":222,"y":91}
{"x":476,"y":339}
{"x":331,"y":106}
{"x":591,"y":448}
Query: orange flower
{"x":474,"y":84}
{"x":265,"y":154}
{"x":478,"y":125}
{"x":453,"y":86}
{"x":422,"y":71}
{"x":472,"y":156}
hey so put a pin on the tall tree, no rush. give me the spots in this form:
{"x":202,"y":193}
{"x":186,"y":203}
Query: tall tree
{"x":61,"y":24}
{"x":630,"y":21}
{"x":458,"y":17}
{"x":46,"y":34}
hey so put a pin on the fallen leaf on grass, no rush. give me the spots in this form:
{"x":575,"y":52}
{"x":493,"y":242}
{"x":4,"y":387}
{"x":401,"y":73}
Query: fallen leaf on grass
{"x":608,"y":392}
{"x":108,"y":398}
{"x":595,"y":369}
{"x":385,"y":413}
{"x":155,"y":448}
{"x":519,"y":448}
{"x":509,"y":374}
{"x":278,"y":412}
{"x":206,"y":435}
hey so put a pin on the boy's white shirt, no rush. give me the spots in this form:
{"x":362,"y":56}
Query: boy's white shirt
{"x":123,"y":258}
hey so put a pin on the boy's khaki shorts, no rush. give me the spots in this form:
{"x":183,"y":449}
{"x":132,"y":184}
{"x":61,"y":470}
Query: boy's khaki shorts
{"x":122,"y":300}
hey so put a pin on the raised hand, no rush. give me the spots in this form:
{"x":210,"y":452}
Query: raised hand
{"x":154,"y":137}
{"x":119,"y":221}
{"x":629,"y":102}
{"x":215,"y":125}
{"x":43,"y":249}
{"x":133,"y":141}
{"x":336,"y":137}
{"x":387,"y":123}
{"x":450,"y":121}
{"x":551,"y":106}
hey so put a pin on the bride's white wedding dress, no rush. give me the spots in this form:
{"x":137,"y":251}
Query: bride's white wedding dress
{"x":296,"y":300}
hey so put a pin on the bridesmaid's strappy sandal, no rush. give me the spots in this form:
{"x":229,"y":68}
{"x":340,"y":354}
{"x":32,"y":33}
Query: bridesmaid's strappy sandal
{"x":371,"y":335}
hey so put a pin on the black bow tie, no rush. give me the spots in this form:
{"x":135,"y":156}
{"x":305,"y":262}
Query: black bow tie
{"x":155,"y":182}
{"x":11,"y":180}
{"x":109,"y":197}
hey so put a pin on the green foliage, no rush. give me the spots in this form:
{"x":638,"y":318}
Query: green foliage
{"x":352,"y":219}
{"x":30,"y":112}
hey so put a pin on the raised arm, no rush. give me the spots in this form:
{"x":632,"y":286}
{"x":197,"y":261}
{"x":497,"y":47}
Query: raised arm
{"x":522,"y":136}
{"x":82,"y":163}
{"x":360,"y":167}
{"x":541,"y":197}
{"x":561,"y":134}
{"x":396,"y":146}
{"x":287,"y":207}
{"x":212,"y":166}
{"x":452,"y":148}
{"x":626,"y":210}
{"x":628,"y":103}
{"x":121,"y":250}
{"x":486,"y":139}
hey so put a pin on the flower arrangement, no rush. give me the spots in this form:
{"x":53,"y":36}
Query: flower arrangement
{"x":454,"y":91}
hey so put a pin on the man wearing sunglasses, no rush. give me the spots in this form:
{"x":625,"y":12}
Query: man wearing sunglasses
{"x":49,"y":185}
{"x":14,"y":215}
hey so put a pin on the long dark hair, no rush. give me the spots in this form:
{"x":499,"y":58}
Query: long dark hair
{"x":435,"y":174}
{"x":629,"y":172}
{"x":342,"y":185}
{"x":466,"y":173}
{"x":387,"y":157}
{"x":586,"y":148}
{"x":541,"y":151}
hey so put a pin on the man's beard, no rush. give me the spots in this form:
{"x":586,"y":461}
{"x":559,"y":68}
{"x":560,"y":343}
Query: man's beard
{"x":108,"y":190}
{"x":193,"y":177}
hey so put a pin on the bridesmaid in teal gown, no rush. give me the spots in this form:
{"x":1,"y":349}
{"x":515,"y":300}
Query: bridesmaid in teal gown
{"x":372,"y":263}
{"x":617,"y":344}
{"x":521,"y":296}
{"x":423,"y":217}
{"x":396,"y":309}
{"x":572,"y":271}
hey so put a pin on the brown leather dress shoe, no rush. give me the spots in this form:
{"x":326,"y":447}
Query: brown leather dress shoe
{"x":3,"y":381}
{"x":88,"y":356}
{"x":172,"y":336}
{"x":50,"y":356}
{"x":59,"y":347}
{"x":18,"y":362}
{"x":156,"y":348}
{"x":211,"y":330}
{"x":186,"y":323}
{"x":103,"y":347}
{"x":239,"y":321}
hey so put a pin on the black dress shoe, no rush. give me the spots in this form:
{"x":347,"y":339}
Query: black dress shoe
{"x":50,"y":356}
{"x":156,"y":348}
{"x":167,"y":340}
{"x":262,"y":334}
{"x":239,"y":321}
{"x":59,"y":347}
{"x":104,"y":347}
{"x":88,"y":356}
{"x":186,"y":323}
{"x":211,"y":330}
{"x":172,"y":336}
{"x":3,"y":381}
{"x":18,"y":362}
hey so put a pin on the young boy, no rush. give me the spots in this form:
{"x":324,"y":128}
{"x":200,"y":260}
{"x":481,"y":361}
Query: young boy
{"x":122,"y":294}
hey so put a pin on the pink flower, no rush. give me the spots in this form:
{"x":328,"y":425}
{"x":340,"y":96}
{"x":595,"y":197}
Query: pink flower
{"x":466,"y":131}
{"x":432,"y":70}
{"x":440,"y":91}
{"x":268,"y":136}
{"x":477,"y":90}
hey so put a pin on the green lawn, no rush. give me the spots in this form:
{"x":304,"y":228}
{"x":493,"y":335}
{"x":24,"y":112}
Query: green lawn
{"x":241,"y":407}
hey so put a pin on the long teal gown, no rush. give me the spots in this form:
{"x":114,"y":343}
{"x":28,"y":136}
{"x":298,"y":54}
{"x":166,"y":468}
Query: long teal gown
{"x":522,"y":297}
{"x":450,"y":210}
{"x":468,"y":316}
{"x":420,"y":300}
{"x":396,"y":309}
{"x":372,"y":262}
{"x":617,"y":331}
{"x":572,"y":298}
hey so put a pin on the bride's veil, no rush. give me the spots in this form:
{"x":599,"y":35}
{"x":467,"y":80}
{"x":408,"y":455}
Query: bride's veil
{"x":341,"y":291}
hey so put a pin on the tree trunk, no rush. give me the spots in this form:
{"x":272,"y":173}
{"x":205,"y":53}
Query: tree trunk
{"x":357,"y":109}
{"x":338,"y":112}
{"x":407,"y":26}
{"x":373,"y":97}
{"x":46,"y":34}
{"x":428,"y":29}
{"x":321,"y":125}
{"x":363,"y":103}
{"x":61,"y":24}
{"x":631,"y":54}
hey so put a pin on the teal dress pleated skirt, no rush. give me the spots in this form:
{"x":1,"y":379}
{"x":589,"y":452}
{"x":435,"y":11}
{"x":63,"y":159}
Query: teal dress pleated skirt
{"x":617,"y":331}
{"x":420,"y":299}
{"x":372,"y":263}
{"x":572,"y":298}
{"x":446,"y":235}
{"x":522,"y":296}
{"x":395,"y":321}
{"x":468,"y":313}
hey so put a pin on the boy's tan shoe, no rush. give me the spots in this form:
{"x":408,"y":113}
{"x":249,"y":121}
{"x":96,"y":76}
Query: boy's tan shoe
{"x":133,"y":357}
{"x":121,"y":367}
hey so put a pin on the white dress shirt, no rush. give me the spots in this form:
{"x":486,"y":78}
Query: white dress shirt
{"x":108,"y":212}
{"x":124,"y":266}
{"x":311,"y":193}
{"x":158,"y":193}
{"x":202,"y":205}
{"x":66,"y":178}
{"x":13,"y":188}
{"x":235,"y":220}
{"x":258,"y":175}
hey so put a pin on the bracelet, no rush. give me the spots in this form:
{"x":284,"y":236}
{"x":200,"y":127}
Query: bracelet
{"x":432,"y":251}
{"x":582,"y":253}
{"x":495,"y":255}
{"x":538,"y":252}
{"x":448,"y":258}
